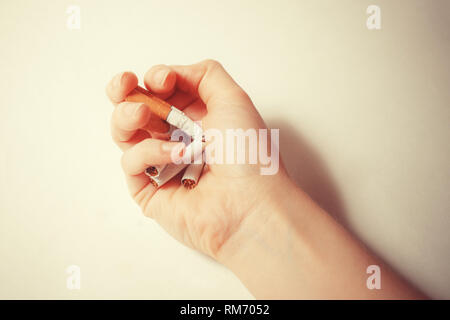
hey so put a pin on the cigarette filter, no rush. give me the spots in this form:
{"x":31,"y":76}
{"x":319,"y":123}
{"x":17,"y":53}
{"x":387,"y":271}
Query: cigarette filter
{"x":155,"y":124}
{"x":166,"y":174}
{"x":165,"y":111}
{"x":160,"y":174}
{"x":155,"y":170}
{"x":192,"y":175}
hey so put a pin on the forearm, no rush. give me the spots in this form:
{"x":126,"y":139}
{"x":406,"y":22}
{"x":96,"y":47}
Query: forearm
{"x":292,"y":249}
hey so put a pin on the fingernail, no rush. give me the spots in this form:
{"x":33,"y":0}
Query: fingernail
{"x":133,"y":109}
{"x":169,"y":146}
{"x":160,"y":76}
{"x":118,"y":80}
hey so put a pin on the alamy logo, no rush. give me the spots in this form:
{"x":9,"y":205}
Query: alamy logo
{"x":374,"y":281}
{"x":232,"y":146}
{"x":74,"y":279}
{"x":374,"y":20}
{"x":74,"y":19}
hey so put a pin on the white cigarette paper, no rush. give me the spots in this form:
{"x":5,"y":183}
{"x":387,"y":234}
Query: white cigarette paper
{"x":155,"y":170}
{"x":159,"y":175}
{"x":180,"y":120}
{"x":170,"y":171}
{"x":192,"y":175}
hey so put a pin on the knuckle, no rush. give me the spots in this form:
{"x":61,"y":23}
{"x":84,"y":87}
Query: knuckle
{"x":211,"y":63}
{"x":131,"y":115}
{"x":115,"y":138}
{"x":115,"y":125}
{"x":145,"y":149}
{"x":114,"y":114}
{"x":124,"y":161}
{"x":113,"y":129}
{"x":121,"y":106}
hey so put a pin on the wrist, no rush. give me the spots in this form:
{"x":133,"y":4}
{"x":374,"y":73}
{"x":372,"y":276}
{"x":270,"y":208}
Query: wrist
{"x":274,"y":245}
{"x":269,"y":228}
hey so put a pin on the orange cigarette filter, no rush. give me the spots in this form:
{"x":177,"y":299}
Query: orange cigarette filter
{"x":166,"y":112}
{"x":158,"y":107}
{"x":155,"y":124}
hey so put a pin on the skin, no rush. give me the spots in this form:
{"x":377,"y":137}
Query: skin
{"x":264,"y":228}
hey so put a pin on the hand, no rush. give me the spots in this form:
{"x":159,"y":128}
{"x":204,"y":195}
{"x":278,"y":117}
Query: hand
{"x":208,"y":216}
{"x":255,"y":225}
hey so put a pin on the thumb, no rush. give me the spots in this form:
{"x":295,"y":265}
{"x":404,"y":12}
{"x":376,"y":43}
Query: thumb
{"x":209,"y":81}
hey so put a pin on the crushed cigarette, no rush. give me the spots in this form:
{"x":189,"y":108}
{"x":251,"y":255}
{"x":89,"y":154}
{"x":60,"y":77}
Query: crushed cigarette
{"x":165,"y":113}
{"x":155,"y":170}
{"x":166,"y":174}
{"x":160,"y":174}
{"x":157,"y":125}
{"x":180,"y":120}
{"x":192,"y":175}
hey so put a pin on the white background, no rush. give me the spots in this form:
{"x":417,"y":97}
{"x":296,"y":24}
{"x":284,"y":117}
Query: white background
{"x":364,"y":119}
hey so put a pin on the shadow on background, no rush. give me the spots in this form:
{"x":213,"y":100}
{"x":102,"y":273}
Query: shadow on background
{"x":307,"y":169}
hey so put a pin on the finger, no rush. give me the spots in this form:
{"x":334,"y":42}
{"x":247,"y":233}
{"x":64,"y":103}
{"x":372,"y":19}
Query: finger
{"x":120,"y":86}
{"x":138,"y":158}
{"x":160,"y":80}
{"x":149,"y":152}
{"x":140,"y":188}
{"x":127,"y":118}
{"x":181,"y":99}
{"x":195,"y":110}
{"x":209,"y":80}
